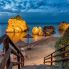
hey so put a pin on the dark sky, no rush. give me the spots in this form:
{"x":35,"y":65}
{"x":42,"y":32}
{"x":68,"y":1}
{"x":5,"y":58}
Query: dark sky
{"x":35,"y":11}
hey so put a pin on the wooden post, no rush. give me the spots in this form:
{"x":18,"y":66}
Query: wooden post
{"x":18,"y":60}
{"x":28,"y":42}
{"x":22,"y":60}
{"x":51,"y":60}
{"x":6,"y":47}
{"x":44,"y":60}
{"x":63,"y":56}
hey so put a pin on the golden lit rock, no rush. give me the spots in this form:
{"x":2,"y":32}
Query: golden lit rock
{"x":37,"y":31}
{"x":9,"y":29}
{"x":16,"y":24}
{"x":63,"y":27}
{"x":40,"y":31}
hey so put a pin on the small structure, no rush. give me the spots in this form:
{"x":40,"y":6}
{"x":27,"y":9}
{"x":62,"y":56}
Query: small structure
{"x":28,"y":36}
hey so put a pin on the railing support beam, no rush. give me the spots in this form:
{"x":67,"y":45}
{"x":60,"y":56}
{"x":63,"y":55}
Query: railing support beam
{"x":18,"y":60}
{"x":6,"y":47}
{"x":22,"y":60}
{"x":44,"y":60}
{"x":51,"y":60}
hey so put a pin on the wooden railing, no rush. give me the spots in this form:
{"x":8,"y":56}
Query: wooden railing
{"x":50,"y":58}
{"x":9,"y":49}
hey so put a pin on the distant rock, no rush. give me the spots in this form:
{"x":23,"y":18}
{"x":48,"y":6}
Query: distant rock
{"x":37,"y":31}
{"x":48,"y":30}
{"x":62,"y":27}
{"x":63,"y":41}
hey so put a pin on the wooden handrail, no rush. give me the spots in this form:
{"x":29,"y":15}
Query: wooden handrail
{"x":58,"y":54}
{"x":63,"y":59}
{"x":14,"y":52}
{"x":19,"y":52}
{"x":52,"y":55}
{"x":57,"y":50}
{"x":8,"y":50}
{"x":15,"y":47}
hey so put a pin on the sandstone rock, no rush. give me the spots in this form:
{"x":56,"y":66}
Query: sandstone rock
{"x":16,"y":24}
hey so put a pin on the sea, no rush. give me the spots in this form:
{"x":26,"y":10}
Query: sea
{"x":3,"y":27}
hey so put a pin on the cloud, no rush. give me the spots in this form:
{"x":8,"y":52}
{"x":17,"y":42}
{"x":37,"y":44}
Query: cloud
{"x":7,"y":14}
{"x":0,"y":14}
{"x":34,"y":6}
{"x":9,"y":6}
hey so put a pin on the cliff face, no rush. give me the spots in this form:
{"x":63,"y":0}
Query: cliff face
{"x":16,"y":24}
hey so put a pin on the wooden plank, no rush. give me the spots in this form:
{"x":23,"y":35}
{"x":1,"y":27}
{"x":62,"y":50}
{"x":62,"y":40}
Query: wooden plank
{"x":16,"y":63}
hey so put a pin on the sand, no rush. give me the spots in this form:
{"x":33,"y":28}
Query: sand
{"x":36,"y":55}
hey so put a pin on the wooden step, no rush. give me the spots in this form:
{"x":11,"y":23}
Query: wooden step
{"x":40,"y":67}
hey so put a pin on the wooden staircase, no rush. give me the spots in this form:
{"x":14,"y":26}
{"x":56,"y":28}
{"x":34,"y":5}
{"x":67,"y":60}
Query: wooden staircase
{"x":10,"y":48}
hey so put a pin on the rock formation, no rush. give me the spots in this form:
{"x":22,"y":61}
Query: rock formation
{"x":37,"y":31}
{"x":16,"y":24}
{"x":63,"y":26}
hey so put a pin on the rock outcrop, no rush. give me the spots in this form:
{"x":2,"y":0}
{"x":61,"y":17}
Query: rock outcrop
{"x":37,"y":31}
{"x":62,"y":27}
{"x":16,"y":24}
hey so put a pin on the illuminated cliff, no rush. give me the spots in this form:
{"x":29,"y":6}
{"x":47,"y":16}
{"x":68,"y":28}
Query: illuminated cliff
{"x":37,"y":31}
{"x":63,"y":27}
{"x":16,"y":24}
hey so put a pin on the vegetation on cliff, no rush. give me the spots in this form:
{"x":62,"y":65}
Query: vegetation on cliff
{"x":64,"y":41}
